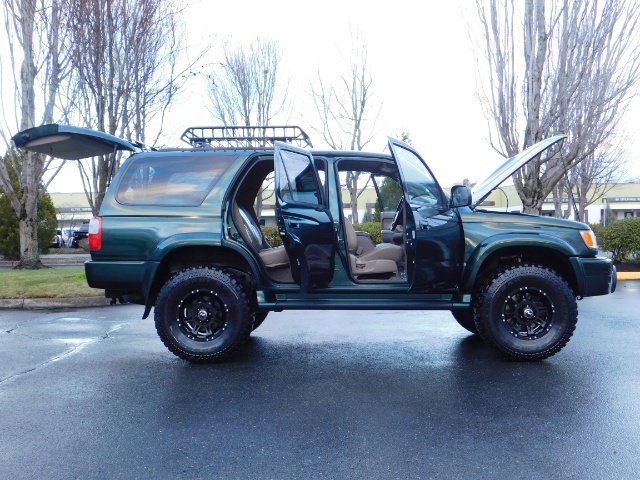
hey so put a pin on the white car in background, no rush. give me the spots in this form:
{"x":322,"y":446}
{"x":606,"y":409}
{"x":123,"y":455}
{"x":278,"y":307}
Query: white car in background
{"x":66,"y":236}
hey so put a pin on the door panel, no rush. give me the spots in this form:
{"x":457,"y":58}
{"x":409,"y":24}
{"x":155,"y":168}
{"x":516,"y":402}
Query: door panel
{"x":304,"y":222}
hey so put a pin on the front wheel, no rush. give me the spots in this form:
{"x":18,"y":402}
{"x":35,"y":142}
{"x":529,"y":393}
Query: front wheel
{"x":259,"y":318}
{"x":527,"y":312}
{"x":203,"y":314}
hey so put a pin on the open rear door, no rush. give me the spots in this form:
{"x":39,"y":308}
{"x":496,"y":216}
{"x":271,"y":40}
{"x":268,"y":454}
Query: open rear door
{"x":70,"y":143}
{"x":304,"y":222}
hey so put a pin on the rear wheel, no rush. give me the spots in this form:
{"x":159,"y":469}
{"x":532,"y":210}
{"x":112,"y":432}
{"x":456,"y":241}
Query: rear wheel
{"x":465,"y":319}
{"x":203,"y":314}
{"x":527,"y":312}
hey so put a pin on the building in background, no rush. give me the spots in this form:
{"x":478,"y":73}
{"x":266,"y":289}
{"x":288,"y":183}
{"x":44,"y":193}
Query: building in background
{"x":72,"y":209}
{"x":621,"y":201}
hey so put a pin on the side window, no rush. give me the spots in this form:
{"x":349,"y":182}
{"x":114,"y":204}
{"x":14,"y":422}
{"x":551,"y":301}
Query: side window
{"x":298,"y":183}
{"x":171,"y":180}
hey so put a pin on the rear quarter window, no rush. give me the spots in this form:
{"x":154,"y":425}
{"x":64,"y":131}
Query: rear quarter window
{"x":171,"y":180}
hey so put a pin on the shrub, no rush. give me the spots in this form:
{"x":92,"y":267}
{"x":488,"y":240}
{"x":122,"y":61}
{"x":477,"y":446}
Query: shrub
{"x":10,"y":226}
{"x":372,"y":228}
{"x":622,"y":239}
{"x":272,"y":236}
{"x":598,"y":230}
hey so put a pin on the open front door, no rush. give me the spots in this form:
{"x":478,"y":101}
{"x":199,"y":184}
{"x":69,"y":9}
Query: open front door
{"x":434,"y":234}
{"x":304,"y":222}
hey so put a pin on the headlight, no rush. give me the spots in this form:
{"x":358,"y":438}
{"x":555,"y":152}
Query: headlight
{"x":589,"y":239}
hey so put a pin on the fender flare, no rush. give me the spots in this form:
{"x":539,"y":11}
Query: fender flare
{"x":182,"y":240}
{"x":491,"y":245}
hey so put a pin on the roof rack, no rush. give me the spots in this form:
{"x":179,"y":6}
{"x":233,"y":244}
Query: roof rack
{"x":247,"y":136}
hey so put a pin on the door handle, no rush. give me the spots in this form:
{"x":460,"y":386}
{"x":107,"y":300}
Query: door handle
{"x":294,"y":224}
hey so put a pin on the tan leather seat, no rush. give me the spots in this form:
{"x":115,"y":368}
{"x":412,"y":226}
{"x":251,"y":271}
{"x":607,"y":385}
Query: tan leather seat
{"x":272,"y":257}
{"x":382,"y":259}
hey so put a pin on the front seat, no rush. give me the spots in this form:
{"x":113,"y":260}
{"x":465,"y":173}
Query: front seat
{"x":272,"y":257}
{"x":383,"y":259}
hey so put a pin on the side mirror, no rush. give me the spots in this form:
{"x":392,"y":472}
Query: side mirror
{"x":460,"y":196}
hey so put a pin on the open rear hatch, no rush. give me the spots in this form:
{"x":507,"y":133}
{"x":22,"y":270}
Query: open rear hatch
{"x":71,"y":143}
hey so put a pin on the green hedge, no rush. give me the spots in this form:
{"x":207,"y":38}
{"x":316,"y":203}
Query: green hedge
{"x":272,"y":236}
{"x":621,"y":238}
{"x":372,"y":228}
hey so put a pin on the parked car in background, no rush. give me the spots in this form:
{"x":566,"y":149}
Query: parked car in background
{"x":66,"y":236}
{"x":77,"y":235}
{"x":56,"y":241}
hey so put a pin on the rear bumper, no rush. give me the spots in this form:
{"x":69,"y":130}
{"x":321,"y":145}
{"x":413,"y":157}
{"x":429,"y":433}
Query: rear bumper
{"x":596,"y":276}
{"x":120,"y":276}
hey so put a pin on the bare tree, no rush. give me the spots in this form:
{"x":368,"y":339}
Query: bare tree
{"x":125,"y":61}
{"x":551,"y":67}
{"x":346,"y":112}
{"x":589,"y":181}
{"x":248,"y":88}
{"x":35,"y":38}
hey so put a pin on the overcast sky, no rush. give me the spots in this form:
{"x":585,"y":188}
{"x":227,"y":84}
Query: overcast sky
{"x":421,"y":63}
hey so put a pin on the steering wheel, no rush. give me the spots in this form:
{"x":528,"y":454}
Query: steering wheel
{"x":397,"y":218}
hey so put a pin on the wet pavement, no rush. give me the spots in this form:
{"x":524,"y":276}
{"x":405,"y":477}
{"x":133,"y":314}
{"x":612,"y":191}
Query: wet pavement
{"x":93,"y":393}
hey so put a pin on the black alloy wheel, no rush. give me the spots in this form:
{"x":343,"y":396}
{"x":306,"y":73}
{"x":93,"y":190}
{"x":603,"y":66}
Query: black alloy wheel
{"x":527,"y":312}
{"x":203,"y":314}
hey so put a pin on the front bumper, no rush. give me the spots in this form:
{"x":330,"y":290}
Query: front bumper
{"x":596,"y":276}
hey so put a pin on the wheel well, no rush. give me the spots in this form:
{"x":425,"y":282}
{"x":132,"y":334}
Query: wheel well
{"x":181,"y":258}
{"x":546,"y":257}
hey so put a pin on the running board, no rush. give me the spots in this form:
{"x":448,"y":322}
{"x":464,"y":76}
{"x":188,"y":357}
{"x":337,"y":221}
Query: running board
{"x":381,"y":304}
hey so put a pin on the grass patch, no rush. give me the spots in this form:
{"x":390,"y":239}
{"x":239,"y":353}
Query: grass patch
{"x":46,"y":283}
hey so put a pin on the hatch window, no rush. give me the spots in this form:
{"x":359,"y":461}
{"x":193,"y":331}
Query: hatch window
{"x":172,"y":180}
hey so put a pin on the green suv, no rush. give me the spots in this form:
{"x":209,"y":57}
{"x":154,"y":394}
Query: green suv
{"x":178,"y":231}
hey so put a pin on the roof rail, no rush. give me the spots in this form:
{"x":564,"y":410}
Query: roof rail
{"x":247,"y":136}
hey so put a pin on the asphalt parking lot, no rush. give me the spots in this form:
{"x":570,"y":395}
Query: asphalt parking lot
{"x":93,"y":393}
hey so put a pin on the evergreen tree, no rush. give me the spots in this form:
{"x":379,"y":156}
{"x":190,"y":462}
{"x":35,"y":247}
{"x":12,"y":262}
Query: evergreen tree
{"x":10,"y":223}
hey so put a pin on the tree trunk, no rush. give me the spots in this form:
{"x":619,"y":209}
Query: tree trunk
{"x":29,"y":253}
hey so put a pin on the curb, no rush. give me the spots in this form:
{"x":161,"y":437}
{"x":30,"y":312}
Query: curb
{"x":628,"y":276}
{"x":44,"y":303}
{"x":64,"y":261}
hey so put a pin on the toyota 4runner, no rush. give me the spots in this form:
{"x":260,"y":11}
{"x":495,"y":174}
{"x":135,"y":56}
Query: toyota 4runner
{"x":178,"y":232}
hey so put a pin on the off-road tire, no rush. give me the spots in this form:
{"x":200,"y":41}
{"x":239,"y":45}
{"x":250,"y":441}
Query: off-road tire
{"x":465,"y":320}
{"x":527,"y":312}
{"x":203,"y":314}
{"x":259,"y":318}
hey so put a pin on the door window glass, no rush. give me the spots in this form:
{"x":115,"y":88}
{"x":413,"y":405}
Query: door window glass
{"x":299,"y":182}
{"x":421,"y":187}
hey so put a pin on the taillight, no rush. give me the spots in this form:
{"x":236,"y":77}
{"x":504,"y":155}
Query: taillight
{"x":95,"y":234}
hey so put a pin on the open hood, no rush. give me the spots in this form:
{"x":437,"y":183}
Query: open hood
{"x":70,"y":143}
{"x":509,"y":167}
